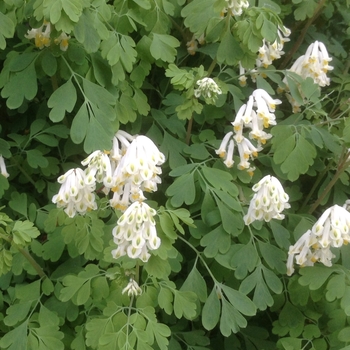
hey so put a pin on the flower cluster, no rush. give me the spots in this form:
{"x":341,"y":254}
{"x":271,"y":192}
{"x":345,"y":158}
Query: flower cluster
{"x":314,"y":64}
{"x":133,"y":289}
{"x":135,"y":233}
{"x":269,"y":52}
{"x":235,"y":7}
{"x":76,"y":193}
{"x":3,"y":167}
{"x":256,"y":115}
{"x":332,"y":229}
{"x":268,"y":202}
{"x":131,"y":167}
{"x":208,"y":89}
{"x":42,"y":38}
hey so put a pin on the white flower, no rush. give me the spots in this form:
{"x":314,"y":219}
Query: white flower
{"x":137,"y":171}
{"x":133,"y":289}
{"x":314,"y":64}
{"x":3,"y":167}
{"x":269,"y":52}
{"x":235,"y":7}
{"x":330,"y":230}
{"x":75,"y":194}
{"x":62,"y":39}
{"x":40,"y":35}
{"x":208,"y":89}
{"x":135,"y":233}
{"x":268,"y":202}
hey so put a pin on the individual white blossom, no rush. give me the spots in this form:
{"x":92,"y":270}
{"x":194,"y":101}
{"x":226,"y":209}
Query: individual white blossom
{"x":76,"y":193}
{"x":62,"y":40}
{"x":242,"y":77}
{"x":133,"y":289}
{"x":331,"y":230}
{"x":208,"y":89}
{"x":269,"y":52}
{"x":3,"y":169}
{"x":135,"y":233}
{"x":268,"y":202}
{"x":256,"y":115}
{"x":235,"y":7}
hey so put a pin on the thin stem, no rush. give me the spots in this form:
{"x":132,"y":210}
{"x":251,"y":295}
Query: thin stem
{"x":315,"y":185}
{"x":14,"y":162}
{"x":301,"y":37}
{"x":201,"y":258}
{"x":343,"y":164}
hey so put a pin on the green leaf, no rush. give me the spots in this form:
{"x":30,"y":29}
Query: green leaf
{"x":80,"y":124}
{"x":72,"y":285}
{"x":229,"y":51}
{"x":23,"y":232}
{"x":62,"y":100}
{"x":19,"y":203}
{"x":36,"y":159}
{"x":239,"y":301}
{"x":195,"y":283}
{"x":182,"y":190}
{"x":231,"y":320}
{"x":315,"y":276}
{"x":344,"y":335}
{"x":165,"y":300}
{"x":218,"y":240}
{"x":336,"y":287}
{"x":211,"y":310}
{"x":86,"y":33}
{"x":22,"y":85}
{"x":7,"y":29}
{"x":244,"y":259}
{"x":16,"y":338}
{"x":163,"y":47}
{"x":185,"y":304}
{"x":274,"y":256}
{"x":17,"y":313}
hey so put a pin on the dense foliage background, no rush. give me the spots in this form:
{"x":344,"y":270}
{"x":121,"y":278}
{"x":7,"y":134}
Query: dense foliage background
{"x":95,"y":67}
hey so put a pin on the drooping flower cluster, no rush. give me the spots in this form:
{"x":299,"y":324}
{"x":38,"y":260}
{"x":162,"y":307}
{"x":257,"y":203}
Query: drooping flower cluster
{"x":42,"y":38}
{"x":131,"y":167}
{"x":314,"y":64}
{"x":208,"y":89}
{"x":135,"y":233}
{"x":332,"y":229}
{"x":235,"y":7}
{"x":256,"y":115}
{"x":268,"y":202}
{"x":269,"y":52}
{"x":76,"y":193}
{"x":133,"y":289}
{"x":3,"y":169}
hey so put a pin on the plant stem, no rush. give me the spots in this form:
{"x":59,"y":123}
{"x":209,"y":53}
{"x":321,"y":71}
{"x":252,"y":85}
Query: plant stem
{"x":14,"y":162}
{"x":343,"y":164}
{"x":300,"y":39}
{"x":32,"y":261}
{"x":189,"y":130}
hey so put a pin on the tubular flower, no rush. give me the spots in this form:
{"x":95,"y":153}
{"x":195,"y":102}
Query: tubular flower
{"x":208,"y":89}
{"x":332,"y":229}
{"x":256,"y":115}
{"x":268,"y":202}
{"x":133,"y":289}
{"x":314,"y":64}
{"x":76,"y":193}
{"x":3,"y":167}
{"x":137,"y":171}
{"x":269,"y":52}
{"x":135,"y":233}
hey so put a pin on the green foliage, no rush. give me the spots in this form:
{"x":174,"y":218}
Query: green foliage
{"x":72,"y":73}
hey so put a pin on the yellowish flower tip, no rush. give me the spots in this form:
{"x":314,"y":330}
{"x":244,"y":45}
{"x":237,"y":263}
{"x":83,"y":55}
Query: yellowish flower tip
{"x":280,"y":90}
{"x":266,"y":123}
{"x":265,"y":66}
{"x":263,"y":75}
{"x":255,"y":154}
{"x":250,"y":172}
{"x":222,"y":154}
{"x":345,"y":242}
{"x":243,"y":82}
{"x":263,"y":141}
{"x":106,"y":152}
{"x":115,"y":189}
{"x":246,"y":155}
{"x":313,"y":259}
{"x":237,"y":127}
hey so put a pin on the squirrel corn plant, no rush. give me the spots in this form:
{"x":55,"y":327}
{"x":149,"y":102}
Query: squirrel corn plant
{"x":174,"y":174}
